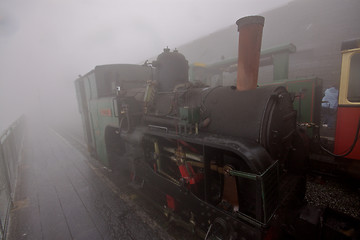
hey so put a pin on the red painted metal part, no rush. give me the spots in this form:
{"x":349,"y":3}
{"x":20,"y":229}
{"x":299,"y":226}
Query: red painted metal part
{"x":170,"y":202}
{"x":346,"y":126}
{"x":188,"y":173}
{"x":105,"y":112}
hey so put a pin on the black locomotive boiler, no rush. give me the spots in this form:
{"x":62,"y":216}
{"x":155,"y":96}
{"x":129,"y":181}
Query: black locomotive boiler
{"x":228,"y":161}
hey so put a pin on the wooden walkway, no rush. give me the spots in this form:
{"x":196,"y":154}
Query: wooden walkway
{"x":61,"y":195}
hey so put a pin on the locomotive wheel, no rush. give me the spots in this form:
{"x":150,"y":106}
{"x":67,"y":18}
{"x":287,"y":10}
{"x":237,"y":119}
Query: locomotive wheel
{"x":218,"y":230}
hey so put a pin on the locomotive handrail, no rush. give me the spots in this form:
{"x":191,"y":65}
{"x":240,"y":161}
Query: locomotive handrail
{"x":116,"y":110}
{"x":251,"y":176}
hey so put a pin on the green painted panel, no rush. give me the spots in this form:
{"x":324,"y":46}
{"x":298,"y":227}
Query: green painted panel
{"x":103,"y":114}
{"x":308,"y":104}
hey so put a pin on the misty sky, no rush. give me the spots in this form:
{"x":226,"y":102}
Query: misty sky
{"x":46,"y":44}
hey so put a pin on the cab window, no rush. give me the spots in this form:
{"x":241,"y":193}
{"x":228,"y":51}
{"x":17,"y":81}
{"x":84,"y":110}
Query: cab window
{"x":354,"y":79}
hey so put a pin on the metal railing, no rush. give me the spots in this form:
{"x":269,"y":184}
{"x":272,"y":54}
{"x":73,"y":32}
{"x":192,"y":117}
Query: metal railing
{"x":11,"y":141}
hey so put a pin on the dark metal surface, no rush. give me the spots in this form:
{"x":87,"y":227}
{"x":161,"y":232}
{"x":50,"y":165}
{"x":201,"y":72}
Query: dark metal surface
{"x":264,"y":115}
{"x":171,"y":70}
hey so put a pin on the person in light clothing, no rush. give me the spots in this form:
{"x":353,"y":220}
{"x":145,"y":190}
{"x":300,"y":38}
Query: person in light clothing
{"x":329,"y":106}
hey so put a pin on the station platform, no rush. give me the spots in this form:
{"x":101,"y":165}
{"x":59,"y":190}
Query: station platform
{"x":62,"y":194}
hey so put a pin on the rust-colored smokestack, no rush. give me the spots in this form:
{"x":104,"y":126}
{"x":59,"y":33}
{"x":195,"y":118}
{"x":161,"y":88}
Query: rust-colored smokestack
{"x":250,"y":35}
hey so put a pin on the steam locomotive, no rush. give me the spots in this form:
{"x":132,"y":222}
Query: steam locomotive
{"x":229,"y":161}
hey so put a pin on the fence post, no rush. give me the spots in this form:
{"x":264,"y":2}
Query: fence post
{"x":10,"y":152}
{"x":1,"y":231}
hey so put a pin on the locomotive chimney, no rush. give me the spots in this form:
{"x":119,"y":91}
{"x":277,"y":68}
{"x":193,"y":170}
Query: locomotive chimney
{"x":250,"y":35}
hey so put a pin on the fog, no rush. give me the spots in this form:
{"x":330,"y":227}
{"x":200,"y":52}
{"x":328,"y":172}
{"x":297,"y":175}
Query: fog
{"x":46,"y":44}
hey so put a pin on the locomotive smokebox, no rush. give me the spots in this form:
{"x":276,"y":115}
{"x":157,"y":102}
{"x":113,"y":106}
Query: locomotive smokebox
{"x":250,"y":35}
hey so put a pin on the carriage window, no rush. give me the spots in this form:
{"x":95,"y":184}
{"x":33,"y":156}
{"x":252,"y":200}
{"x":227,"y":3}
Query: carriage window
{"x":354,"y":79}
